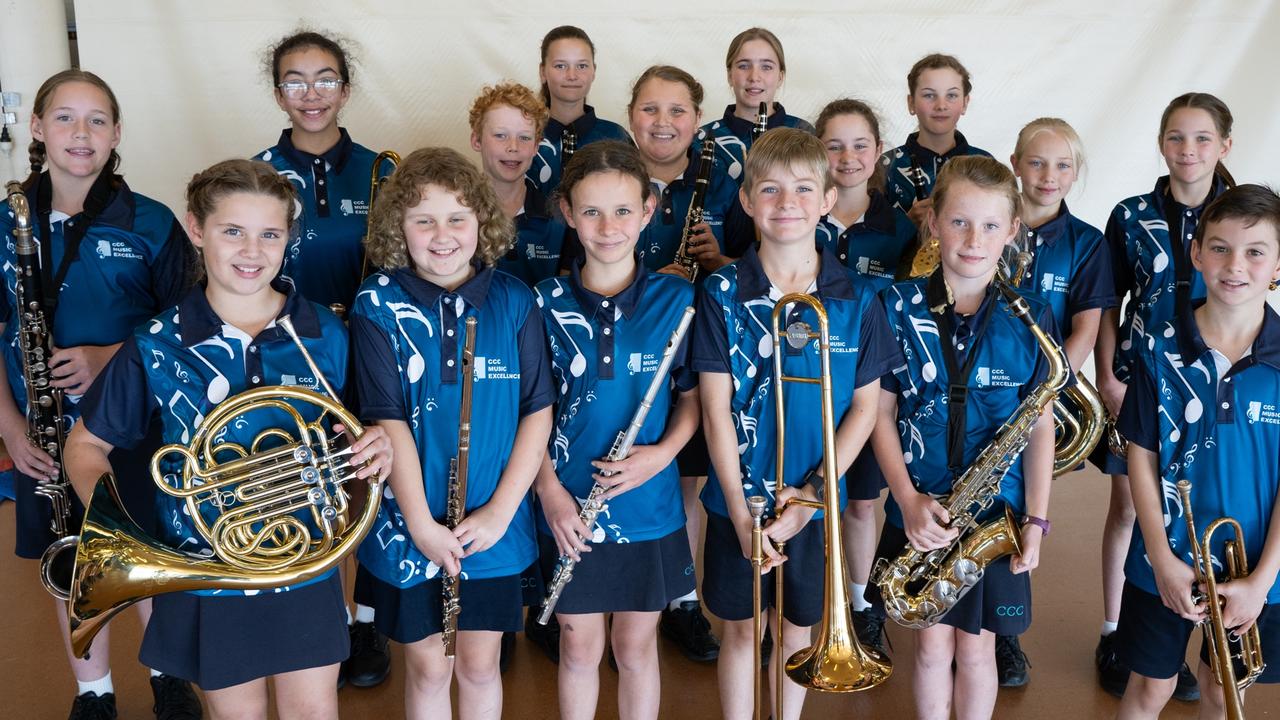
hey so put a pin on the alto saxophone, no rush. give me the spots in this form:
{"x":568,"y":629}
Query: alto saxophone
{"x":45,"y":427}
{"x":457,"y":504}
{"x":622,"y":444}
{"x":697,"y":204}
{"x":920,"y":587}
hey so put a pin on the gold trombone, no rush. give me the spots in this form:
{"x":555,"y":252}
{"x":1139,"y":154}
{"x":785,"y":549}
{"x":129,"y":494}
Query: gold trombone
{"x":1216,"y":634}
{"x":376,"y":181}
{"x":836,"y":662}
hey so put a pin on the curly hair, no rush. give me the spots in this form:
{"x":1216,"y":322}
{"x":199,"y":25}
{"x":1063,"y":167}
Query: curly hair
{"x":386,"y":244}
{"x":515,"y":95}
{"x":304,"y":39}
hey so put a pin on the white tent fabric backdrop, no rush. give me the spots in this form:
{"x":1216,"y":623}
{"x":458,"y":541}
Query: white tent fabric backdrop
{"x":191,"y":82}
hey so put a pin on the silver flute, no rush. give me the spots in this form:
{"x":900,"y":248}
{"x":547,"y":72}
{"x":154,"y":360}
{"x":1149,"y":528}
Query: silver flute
{"x":622,"y":444}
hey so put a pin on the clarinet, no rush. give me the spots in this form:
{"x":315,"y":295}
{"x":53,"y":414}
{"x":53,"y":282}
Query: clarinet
{"x":762,"y":122}
{"x":621,"y":448}
{"x":568,"y":145}
{"x":706,"y":159}
{"x":919,"y":180}
{"x":45,"y":427}
{"x":458,"y":487}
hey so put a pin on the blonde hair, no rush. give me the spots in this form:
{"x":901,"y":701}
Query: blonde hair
{"x":788,"y":148}
{"x":755,"y":33}
{"x":1057,"y":126}
{"x":387,"y":246}
{"x":984,"y":173}
{"x":515,"y":95}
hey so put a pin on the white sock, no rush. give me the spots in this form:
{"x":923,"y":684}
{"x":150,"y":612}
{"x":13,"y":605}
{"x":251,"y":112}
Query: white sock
{"x":857,"y":597}
{"x":364,"y":613}
{"x":349,"y":620}
{"x":101,"y":686}
{"x":155,"y":673}
{"x":1108,"y":627}
{"x":675,"y":604}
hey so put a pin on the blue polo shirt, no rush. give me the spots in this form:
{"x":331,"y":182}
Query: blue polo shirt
{"x":733,"y":334}
{"x":182,"y":364}
{"x":732,"y":136}
{"x":661,"y":237}
{"x":1070,"y":268}
{"x":540,"y":235}
{"x":409,"y":336}
{"x":604,"y":352}
{"x":1149,"y":237}
{"x":898,"y":162}
{"x":326,"y":252}
{"x":873,"y":246}
{"x":1215,"y":424}
{"x":548,"y":164}
{"x":134,"y":260}
{"x":1008,"y":366}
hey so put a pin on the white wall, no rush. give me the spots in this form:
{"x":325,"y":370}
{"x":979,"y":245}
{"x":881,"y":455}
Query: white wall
{"x":189,"y":75}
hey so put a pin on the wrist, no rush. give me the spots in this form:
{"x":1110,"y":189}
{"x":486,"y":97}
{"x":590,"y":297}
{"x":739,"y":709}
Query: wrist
{"x":1029,"y":521}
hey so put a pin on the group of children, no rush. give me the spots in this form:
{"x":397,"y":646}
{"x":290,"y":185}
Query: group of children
{"x":560,"y":245}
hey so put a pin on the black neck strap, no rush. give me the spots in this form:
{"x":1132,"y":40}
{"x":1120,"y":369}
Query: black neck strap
{"x":74,"y":230}
{"x":957,"y":375}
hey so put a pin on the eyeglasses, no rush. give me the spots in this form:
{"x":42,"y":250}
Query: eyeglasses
{"x":324,"y":87}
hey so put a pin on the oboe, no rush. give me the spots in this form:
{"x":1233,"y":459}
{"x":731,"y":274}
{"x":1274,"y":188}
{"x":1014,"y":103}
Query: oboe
{"x":621,"y":448}
{"x":762,"y":122}
{"x":687,"y":262}
{"x":458,"y":487}
{"x":45,"y":427}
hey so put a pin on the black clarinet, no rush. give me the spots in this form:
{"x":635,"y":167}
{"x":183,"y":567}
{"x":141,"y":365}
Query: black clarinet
{"x":568,"y":145}
{"x":762,"y":122}
{"x":697,"y":204}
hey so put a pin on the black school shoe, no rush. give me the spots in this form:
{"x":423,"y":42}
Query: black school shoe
{"x":688,"y":628}
{"x":175,"y":699}
{"x":370,"y":659}
{"x":1011,"y":662}
{"x":1113,"y":674}
{"x":92,"y":706}
{"x":546,"y":637}
{"x":1188,"y":688}
{"x":868,"y":625}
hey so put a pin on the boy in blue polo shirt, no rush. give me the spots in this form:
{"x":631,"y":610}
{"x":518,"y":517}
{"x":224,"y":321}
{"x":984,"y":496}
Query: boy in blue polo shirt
{"x":938,"y":88}
{"x":786,"y":190}
{"x":1201,"y":406}
{"x":969,"y":364}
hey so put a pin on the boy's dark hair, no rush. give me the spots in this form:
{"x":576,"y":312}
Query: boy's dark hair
{"x":1249,"y":202}
{"x":604,"y":156}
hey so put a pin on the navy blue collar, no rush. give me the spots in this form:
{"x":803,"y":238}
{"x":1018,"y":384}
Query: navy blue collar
{"x":337,"y":156}
{"x":583,"y":125}
{"x":536,"y":204}
{"x":427,"y":293}
{"x":199,"y":322}
{"x":627,"y":300}
{"x":878,"y":218}
{"x":742,"y":128}
{"x":833,"y":280}
{"x":112,"y":195}
{"x":1162,"y":197}
{"x":1265,"y":348}
{"x":1055,"y":227}
{"x":923,"y":154}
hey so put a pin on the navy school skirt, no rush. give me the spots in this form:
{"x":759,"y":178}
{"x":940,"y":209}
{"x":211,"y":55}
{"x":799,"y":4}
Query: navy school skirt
{"x":623,"y":577}
{"x":415,"y":613}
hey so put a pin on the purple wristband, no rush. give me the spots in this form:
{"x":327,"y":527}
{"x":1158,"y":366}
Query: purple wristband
{"x":1039,"y":522}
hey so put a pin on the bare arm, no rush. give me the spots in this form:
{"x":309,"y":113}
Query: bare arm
{"x":1111,"y":389}
{"x":86,"y":457}
{"x":1037,"y":473}
{"x":1174,"y":578}
{"x":1084,"y":335}
{"x":922,"y":516}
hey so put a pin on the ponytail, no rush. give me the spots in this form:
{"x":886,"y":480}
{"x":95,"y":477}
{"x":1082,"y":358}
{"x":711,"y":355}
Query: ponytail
{"x":36,"y":154}
{"x":1223,"y":174}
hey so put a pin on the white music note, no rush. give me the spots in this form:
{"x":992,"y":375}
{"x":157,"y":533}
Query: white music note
{"x":1161,"y":259}
{"x":195,"y":423}
{"x":726,"y":143}
{"x":1174,"y":433}
{"x":765,"y":347}
{"x":578,"y":364}
{"x":409,"y":311}
{"x":157,"y":357}
{"x":385,"y":538}
{"x":219,"y":387}
{"x":914,"y":438}
{"x":922,"y":327}
{"x":1195,"y":408}
{"x":751,"y":366}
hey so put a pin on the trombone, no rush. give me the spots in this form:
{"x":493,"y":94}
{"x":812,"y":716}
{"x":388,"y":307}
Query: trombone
{"x":836,"y":662}
{"x":1217,"y":635}
{"x":376,"y":181}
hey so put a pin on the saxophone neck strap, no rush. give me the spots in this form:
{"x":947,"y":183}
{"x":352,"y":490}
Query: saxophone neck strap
{"x":73,"y":232}
{"x":957,"y":374}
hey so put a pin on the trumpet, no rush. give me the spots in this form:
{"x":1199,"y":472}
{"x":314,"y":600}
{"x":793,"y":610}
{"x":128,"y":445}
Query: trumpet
{"x":258,"y":540}
{"x":1217,"y":635}
{"x":837,"y":662}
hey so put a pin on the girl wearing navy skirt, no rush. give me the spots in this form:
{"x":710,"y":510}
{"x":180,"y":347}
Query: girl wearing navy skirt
{"x":311,"y":74}
{"x":438,"y":230}
{"x":868,"y":234}
{"x":1149,"y":238}
{"x":567,"y":71}
{"x":507,"y":121}
{"x":221,"y":339}
{"x":609,"y":321}
{"x":111,"y":258}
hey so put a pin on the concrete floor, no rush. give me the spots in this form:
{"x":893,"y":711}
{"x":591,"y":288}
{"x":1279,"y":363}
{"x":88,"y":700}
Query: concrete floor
{"x":35,"y":682}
